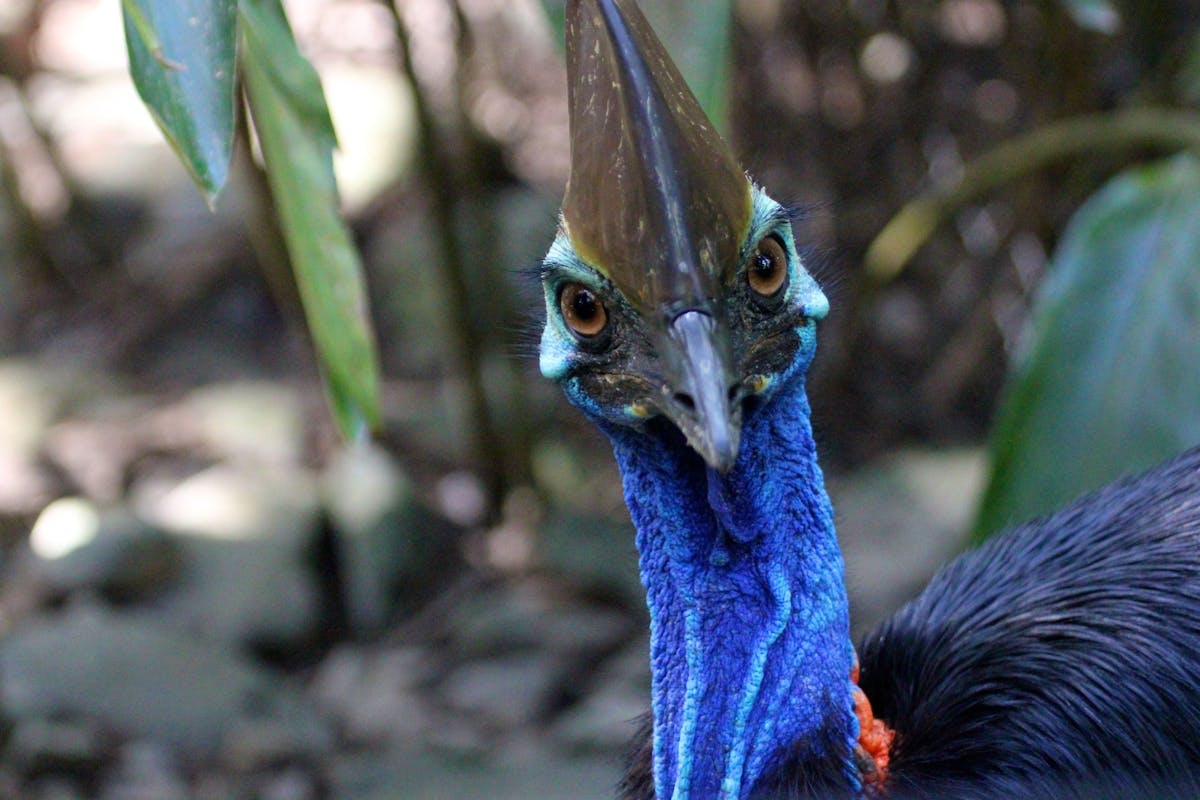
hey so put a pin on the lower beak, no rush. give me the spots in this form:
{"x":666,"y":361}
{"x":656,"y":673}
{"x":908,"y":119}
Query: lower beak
{"x":704,"y":406}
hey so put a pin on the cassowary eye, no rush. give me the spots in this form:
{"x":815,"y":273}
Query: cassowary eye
{"x":768,"y":267}
{"x":582,"y":310}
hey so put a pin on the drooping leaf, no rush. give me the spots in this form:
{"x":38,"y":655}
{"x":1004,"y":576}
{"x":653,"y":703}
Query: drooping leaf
{"x":1110,"y":382}
{"x":297,"y":138}
{"x":183,"y":58}
{"x":1099,"y":16}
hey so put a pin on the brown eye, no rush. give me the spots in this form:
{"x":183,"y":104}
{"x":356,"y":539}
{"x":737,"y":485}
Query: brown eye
{"x":768,"y":267}
{"x":582,"y":310}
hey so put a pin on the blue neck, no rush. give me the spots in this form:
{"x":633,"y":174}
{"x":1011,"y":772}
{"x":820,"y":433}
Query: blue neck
{"x":749,"y":627}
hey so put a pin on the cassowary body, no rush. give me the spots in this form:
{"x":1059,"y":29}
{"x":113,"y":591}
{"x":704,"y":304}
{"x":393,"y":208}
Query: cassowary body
{"x":681,"y":320}
{"x":1059,"y":660}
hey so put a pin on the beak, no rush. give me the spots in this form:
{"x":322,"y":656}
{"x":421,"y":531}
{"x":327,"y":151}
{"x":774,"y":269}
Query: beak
{"x":658,"y":204}
{"x":704,"y":404}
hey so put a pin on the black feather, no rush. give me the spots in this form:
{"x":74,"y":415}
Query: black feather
{"x":1061,"y":653}
{"x":638,"y":783}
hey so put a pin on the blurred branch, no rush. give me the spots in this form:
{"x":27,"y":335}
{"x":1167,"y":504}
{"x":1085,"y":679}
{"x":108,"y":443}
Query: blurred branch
{"x":484,"y":160}
{"x":27,"y":229}
{"x":904,"y":235}
{"x":439,"y":172}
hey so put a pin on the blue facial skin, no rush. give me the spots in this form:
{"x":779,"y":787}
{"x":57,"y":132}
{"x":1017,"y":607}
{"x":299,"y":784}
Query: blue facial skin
{"x":750,"y":641}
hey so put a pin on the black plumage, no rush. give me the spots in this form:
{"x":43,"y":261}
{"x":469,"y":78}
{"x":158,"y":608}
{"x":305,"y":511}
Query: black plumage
{"x":1065,"y":647}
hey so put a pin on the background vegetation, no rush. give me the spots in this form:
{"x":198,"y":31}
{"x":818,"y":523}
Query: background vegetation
{"x":208,"y":593}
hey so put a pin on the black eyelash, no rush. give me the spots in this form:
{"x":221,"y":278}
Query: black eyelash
{"x":525,"y":338}
{"x":798,"y":212}
{"x":531,"y":273}
{"x":830,"y":273}
{"x":524,"y":335}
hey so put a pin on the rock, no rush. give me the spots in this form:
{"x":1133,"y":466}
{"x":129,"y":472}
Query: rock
{"x":389,"y":544}
{"x":74,"y":748}
{"x":494,"y":620}
{"x":232,"y":502}
{"x":453,"y":734}
{"x":376,"y":696}
{"x":252,"y":745}
{"x":580,"y":631}
{"x":247,"y":537}
{"x":25,"y":485}
{"x":250,"y":421}
{"x":142,"y":680}
{"x":291,"y":784}
{"x":595,"y":554}
{"x":631,"y":666}
{"x":605,"y":720}
{"x":899,"y":520}
{"x":76,"y":546}
{"x":145,"y":771}
{"x":416,"y":775}
{"x":33,"y":396}
{"x":507,"y":691}
{"x":513,"y":617}
{"x":52,"y":787}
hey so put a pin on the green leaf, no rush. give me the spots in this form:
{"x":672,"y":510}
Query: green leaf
{"x":297,"y":139}
{"x":699,"y":36}
{"x":556,"y":15}
{"x":1111,"y":381}
{"x":1098,"y":16}
{"x":183,"y":58}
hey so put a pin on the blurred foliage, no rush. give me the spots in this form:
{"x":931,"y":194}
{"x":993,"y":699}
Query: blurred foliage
{"x":1080,"y":137}
{"x":1189,"y":76}
{"x":1110,"y":382}
{"x":1100,"y":16}
{"x":699,"y":36}
{"x":1107,"y":384}
{"x":183,"y":60}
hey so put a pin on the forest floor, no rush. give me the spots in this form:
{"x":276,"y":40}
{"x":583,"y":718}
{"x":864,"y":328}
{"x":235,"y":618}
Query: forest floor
{"x":207,"y":606}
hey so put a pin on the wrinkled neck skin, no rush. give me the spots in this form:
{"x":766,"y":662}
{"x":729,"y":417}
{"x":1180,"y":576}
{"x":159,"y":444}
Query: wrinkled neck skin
{"x":749,"y":629}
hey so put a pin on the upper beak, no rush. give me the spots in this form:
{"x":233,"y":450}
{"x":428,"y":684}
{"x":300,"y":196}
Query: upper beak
{"x":655,"y":198}
{"x":704,"y":405}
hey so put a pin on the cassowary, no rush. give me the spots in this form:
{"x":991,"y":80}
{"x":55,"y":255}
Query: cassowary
{"x":1060,"y":659}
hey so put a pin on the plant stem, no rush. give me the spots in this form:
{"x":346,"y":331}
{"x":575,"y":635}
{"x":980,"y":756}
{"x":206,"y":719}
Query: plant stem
{"x":900,"y":239}
{"x":439,"y":173}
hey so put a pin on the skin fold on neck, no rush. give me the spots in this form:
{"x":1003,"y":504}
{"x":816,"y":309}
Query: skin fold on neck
{"x":750,"y":647}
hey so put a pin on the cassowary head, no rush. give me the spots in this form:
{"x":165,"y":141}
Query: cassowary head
{"x":674,"y":287}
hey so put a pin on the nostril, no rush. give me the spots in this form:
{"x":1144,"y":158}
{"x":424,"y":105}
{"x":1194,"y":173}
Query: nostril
{"x":685,"y":400}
